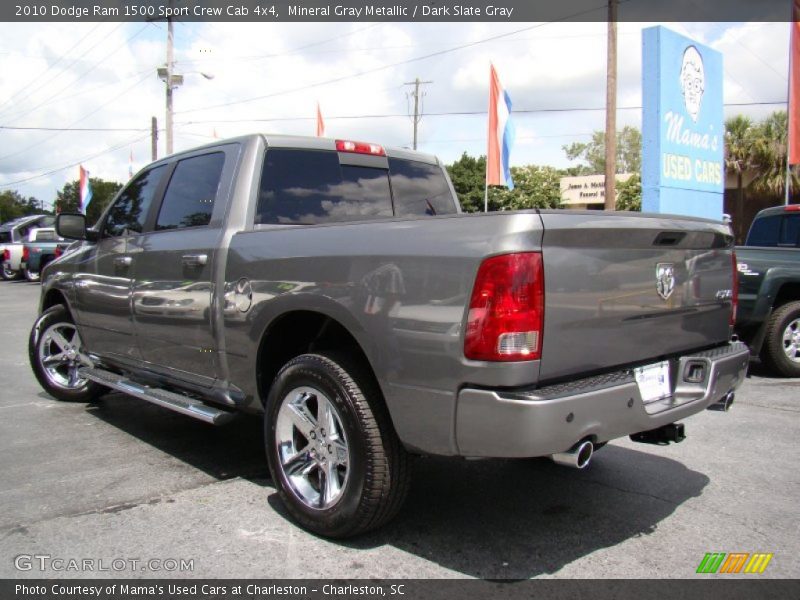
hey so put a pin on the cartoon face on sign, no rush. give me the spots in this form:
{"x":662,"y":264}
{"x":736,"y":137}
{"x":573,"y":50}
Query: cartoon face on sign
{"x":693,"y":81}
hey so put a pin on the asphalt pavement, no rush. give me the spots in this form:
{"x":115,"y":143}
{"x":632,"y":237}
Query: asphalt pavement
{"x":143,"y":492}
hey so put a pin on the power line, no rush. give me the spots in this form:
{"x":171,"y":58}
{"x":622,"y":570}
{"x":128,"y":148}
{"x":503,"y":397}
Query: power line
{"x":81,"y":92}
{"x":392,"y":65}
{"x":249,"y":57}
{"x":11,"y":127}
{"x":448,"y":114}
{"x":48,"y":69}
{"x":85,"y":73}
{"x":290,"y":51}
{"x":65,"y":69}
{"x":83,"y":118}
{"x":75,"y":164}
{"x":346,"y":117}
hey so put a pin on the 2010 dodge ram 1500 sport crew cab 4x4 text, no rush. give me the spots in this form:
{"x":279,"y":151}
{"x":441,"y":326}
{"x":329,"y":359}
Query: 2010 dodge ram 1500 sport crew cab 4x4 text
{"x":335,"y":287}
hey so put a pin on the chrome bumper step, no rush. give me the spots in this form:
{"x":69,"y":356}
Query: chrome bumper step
{"x":171,"y":400}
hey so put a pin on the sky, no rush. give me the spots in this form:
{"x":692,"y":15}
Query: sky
{"x":269,"y":78}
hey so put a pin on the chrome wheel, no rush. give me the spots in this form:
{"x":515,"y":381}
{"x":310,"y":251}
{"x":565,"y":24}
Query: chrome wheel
{"x":60,"y":354}
{"x":8,"y":273}
{"x":791,"y":341}
{"x":313,"y":453}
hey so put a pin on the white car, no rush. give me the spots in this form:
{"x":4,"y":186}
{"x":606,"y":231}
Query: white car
{"x":12,"y":236}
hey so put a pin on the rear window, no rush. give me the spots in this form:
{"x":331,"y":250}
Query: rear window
{"x":775,"y":230}
{"x":308,"y":187}
{"x":790,"y":230}
{"x":419,"y":189}
{"x":764,"y":231}
{"x":5,"y":237}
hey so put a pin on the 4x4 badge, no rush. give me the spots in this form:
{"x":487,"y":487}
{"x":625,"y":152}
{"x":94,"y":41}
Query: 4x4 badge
{"x":665,"y":279}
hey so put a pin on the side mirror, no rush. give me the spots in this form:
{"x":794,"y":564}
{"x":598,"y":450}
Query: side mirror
{"x":71,"y":226}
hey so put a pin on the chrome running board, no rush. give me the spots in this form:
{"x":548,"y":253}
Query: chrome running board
{"x":171,"y":400}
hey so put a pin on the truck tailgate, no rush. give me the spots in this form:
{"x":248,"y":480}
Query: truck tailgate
{"x":623,"y":289}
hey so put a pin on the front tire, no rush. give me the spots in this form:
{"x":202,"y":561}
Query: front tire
{"x":781,"y":350}
{"x":333,"y":454}
{"x":55,"y":351}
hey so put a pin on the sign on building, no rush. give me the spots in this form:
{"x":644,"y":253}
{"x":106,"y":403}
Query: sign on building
{"x":683,"y":132}
{"x":587,"y":191}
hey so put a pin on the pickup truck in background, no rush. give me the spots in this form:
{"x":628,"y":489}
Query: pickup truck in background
{"x":335,"y":288}
{"x":42,"y":246}
{"x":12,"y":238}
{"x":768,"y":317}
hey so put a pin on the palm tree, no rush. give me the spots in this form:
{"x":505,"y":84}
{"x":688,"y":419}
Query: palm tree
{"x":769,"y":155}
{"x":739,"y":157}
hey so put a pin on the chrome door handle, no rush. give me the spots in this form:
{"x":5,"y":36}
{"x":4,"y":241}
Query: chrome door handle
{"x":123,"y":261}
{"x":195,"y":260}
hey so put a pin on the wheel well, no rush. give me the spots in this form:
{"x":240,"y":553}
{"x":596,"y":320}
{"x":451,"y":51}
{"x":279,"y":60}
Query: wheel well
{"x":788,"y":293}
{"x":299,"y":332}
{"x":52,"y":298}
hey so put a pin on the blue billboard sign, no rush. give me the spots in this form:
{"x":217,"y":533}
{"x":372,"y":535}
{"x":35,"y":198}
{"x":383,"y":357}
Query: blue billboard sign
{"x":683,"y":132}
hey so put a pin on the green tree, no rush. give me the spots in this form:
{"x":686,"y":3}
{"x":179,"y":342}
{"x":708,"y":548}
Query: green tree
{"x":629,"y":193}
{"x":14,"y":205}
{"x":68,"y":198}
{"x":468,"y":175}
{"x":593,"y":153}
{"x":534,"y":187}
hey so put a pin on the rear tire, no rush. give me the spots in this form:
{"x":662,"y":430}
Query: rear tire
{"x":7,"y":273}
{"x":30,"y":275}
{"x":334,"y":456}
{"x":781,"y":350}
{"x":54,"y":349}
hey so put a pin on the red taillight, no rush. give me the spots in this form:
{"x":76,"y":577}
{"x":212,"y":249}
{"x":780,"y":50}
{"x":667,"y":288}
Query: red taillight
{"x":735,"y":290}
{"x":792,"y":207}
{"x":360,"y":148}
{"x":6,"y":254}
{"x":506,"y":311}
{"x":59,"y":252}
{"x":26,"y":253}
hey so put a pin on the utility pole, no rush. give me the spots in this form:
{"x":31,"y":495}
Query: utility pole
{"x":170,"y":79}
{"x":417,"y":117}
{"x":154,"y":138}
{"x":611,"y":109}
{"x":170,"y":64}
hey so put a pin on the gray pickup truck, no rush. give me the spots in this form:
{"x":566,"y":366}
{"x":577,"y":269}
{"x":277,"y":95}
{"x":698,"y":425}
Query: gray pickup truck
{"x":336,"y":288}
{"x":768,"y":316}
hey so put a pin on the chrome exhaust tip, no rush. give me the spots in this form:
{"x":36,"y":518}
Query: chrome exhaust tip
{"x":576,"y":457}
{"x":724,"y":404}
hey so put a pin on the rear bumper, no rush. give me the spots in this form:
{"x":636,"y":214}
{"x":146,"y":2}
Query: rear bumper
{"x":551,"y":419}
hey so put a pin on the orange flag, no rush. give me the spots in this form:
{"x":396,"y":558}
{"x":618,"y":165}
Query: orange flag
{"x":320,"y":123}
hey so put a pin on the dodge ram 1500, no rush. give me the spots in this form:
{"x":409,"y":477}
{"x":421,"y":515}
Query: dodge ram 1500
{"x":336,"y":288}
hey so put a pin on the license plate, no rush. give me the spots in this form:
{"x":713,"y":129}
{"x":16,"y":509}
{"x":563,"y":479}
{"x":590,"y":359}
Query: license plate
{"x":653,"y":381}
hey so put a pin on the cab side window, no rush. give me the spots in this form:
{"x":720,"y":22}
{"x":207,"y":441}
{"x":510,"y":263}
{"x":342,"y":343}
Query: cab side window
{"x":129,"y":212}
{"x":190,"y":195}
{"x":420,"y":189}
